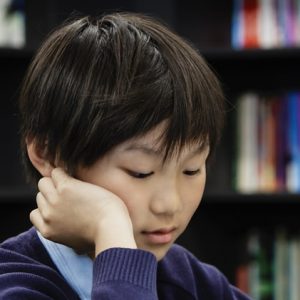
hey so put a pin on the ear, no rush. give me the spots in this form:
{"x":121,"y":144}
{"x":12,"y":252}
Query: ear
{"x":38,"y":158}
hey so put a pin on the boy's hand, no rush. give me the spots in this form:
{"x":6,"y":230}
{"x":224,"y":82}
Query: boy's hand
{"x":81,"y":215}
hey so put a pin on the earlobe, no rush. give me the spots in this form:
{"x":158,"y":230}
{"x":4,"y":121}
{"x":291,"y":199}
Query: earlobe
{"x":38,"y":158}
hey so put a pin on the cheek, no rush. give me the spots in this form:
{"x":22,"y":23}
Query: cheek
{"x":193,"y":196}
{"x":131,"y":194}
{"x":112,"y":180}
{"x":192,"y":201}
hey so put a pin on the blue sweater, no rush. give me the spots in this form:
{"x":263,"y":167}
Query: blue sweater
{"x":27,"y":272}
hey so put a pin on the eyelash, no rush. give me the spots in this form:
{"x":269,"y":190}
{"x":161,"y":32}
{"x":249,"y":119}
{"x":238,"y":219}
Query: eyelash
{"x":139,"y":175}
{"x":192,"y":173}
{"x":145,"y":175}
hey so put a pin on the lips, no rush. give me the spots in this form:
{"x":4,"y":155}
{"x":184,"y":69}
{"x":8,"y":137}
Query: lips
{"x":160,"y":236}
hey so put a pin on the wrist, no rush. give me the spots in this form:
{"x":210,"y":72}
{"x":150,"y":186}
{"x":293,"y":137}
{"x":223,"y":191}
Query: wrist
{"x":114,"y":234}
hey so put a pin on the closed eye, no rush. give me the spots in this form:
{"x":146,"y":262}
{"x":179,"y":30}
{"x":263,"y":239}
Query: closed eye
{"x":139,"y":175}
{"x":191,"y":172}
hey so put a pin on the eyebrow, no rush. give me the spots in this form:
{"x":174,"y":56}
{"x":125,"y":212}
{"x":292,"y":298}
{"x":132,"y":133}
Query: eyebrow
{"x":157,"y":152}
{"x":143,"y":148}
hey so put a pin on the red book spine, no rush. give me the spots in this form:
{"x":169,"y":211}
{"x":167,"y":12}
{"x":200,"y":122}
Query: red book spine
{"x":250,"y":14}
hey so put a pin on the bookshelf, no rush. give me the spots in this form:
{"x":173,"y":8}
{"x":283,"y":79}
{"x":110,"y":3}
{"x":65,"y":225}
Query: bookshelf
{"x":225,"y":216}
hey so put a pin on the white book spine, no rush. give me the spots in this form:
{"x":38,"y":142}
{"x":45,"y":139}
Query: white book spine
{"x":267,"y":25}
{"x":247,"y":176}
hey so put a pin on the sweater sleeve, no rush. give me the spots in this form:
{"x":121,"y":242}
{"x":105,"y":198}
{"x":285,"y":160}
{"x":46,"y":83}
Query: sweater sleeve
{"x":121,"y":273}
{"x":24,"y":278}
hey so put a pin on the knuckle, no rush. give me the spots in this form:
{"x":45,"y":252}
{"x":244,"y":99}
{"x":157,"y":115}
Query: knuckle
{"x":54,"y":172}
{"x":32,"y":216}
{"x":41,"y":182}
{"x":38,"y":196}
{"x":64,"y":187}
{"x":47,"y":216}
{"x":46,"y":232}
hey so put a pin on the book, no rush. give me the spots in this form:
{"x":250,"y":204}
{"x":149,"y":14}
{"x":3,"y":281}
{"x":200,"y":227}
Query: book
{"x":260,"y":265}
{"x":297,"y":22}
{"x":267,"y":24}
{"x":267,"y":147}
{"x":247,"y":152}
{"x":280,"y":112}
{"x":237,"y":28}
{"x":281,"y":265}
{"x":293,"y":163}
{"x":294,"y":268}
{"x":268,"y":143}
{"x":12,"y":24}
{"x":250,"y":18}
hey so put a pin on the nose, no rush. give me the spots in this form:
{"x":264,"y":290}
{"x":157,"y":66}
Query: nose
{"x":166,"y":199}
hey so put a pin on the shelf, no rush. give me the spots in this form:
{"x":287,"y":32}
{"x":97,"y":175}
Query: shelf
{"x":254,"y":199}
{"x":26,"y":195}
{"x":210,"y":54}
{"x":16,"y":195}
{"x":15,"y":53}
{"x":275,"y":70}
{"x":251,"y":54}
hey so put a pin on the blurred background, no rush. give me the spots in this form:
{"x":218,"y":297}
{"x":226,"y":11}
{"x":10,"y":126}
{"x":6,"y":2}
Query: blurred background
{"x":248,"y":222}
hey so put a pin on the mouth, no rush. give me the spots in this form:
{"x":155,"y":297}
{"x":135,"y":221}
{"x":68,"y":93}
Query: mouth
{"x":160,"y":236}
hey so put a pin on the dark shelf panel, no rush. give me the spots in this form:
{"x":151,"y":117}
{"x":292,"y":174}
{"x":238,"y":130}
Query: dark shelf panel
{"x":210,"y":54}
{"x":254,"y":199}
{"x":276,"y":70}
{"x":24,"y":195}
{"x":16,"y":195}
{"x":16,"y":53}
{"x":252,"y":54}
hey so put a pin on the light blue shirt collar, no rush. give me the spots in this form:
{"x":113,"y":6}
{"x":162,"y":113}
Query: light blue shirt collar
{"x":76,"y":269}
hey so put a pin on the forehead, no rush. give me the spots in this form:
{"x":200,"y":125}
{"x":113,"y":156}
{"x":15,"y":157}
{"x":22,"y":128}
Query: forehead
{"x":152,"y":144}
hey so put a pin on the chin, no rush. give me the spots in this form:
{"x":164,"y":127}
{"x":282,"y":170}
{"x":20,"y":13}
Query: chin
{"x":159,"y":253}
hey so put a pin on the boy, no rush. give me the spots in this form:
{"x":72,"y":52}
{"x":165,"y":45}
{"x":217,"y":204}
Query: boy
{"x":119,"y":116}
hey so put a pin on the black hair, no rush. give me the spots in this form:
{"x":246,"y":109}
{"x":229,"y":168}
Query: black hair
{"x":97,"y":82}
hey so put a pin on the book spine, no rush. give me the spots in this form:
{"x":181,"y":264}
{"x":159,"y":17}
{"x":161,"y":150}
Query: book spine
{"x":251,"y":14}
{"x":247,"y":167}
{"x":297,"y":22}
{"x":294,"y":267}
{"x":268,"y":143}
{"x":267,"y":24}
{"x":281,"y":142}
{"x":270,"y":265}
{"x":237,"y":25}
{"x":281,"y":265}
{"x":293,"y":165}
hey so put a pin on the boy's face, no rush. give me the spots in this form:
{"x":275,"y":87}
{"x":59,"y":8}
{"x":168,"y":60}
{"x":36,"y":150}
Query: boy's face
{"x":161,"y":198}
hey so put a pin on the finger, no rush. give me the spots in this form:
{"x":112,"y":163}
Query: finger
{"x":41,"y":202}
{"x":37,"y":220}
{"x":47,"y":188}
{"x":59,"y":177}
